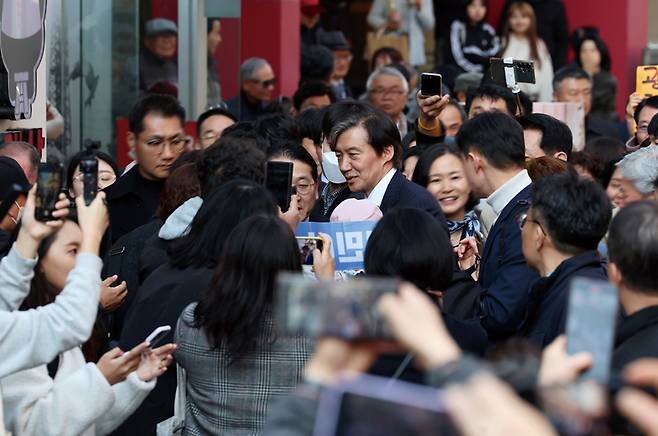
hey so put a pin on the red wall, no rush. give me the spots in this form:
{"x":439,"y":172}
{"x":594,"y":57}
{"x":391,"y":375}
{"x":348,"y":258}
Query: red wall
{"x":270,"y":30}
{"x":228,"y":57}
{"x":623,"y":25}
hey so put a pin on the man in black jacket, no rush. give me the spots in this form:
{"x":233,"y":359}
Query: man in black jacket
{"x":157,"y":138}
{"x":560,"y":234}
{"x":368,"y":148}
{"x":633,"y":250}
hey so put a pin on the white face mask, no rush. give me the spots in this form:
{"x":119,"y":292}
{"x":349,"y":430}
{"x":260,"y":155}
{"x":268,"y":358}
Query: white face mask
{"x":330,"y":167}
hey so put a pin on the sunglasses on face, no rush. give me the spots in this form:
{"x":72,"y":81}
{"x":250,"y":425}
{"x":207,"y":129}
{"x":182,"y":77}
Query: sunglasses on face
{"x":266,"y":83}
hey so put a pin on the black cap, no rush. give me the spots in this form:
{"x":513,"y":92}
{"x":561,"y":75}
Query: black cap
{"x":334,"y":40}
{"x":11,"y":173}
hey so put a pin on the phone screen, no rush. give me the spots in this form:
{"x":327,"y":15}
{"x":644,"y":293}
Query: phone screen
{"x":278,"y":181}
{"x":591,"y":319}
{"x":49,"y":185}
{"x":306,"y":247}
{"x":346,"y":309}
{"x":430,"y":84}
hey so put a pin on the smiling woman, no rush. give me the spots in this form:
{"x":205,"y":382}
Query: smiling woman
{"x":440,"y":170}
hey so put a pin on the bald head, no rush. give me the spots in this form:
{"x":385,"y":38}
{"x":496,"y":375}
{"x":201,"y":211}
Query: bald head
{"x":25,"y":154}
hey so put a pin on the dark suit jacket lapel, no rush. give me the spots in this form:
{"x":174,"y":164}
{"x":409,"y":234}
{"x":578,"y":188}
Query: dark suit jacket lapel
{"x":502,"y":219}
{"x":392,"y":195}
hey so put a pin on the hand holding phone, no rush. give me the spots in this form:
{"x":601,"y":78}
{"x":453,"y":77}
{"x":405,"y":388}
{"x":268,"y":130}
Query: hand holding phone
{"x":278,"y":180}
{"x":35,"y":230}
{"x":49,"y":186}
{"x":324,"y":265}
{"x":591,"y":319}
{"x":429,"y":108}
{"x":93,"y":219}
{"x":157,"y":335}
{"x":431,"y":84}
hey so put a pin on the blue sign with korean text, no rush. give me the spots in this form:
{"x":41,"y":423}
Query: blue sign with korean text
{"x":348,"y":240}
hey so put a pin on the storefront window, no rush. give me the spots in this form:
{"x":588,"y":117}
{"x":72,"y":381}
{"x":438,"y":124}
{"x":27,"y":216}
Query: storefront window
{"x":103,"y":56}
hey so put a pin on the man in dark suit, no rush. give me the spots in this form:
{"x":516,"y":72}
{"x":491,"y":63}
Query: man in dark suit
{"x":561,"y":232}
{"x":157,"y":138}
{"x":633,"y":250}
{"x":493,"y":147}
{"x":368,"y":147}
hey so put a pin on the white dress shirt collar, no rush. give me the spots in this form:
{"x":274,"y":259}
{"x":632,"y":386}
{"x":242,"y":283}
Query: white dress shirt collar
{"x":503,"y":195}
{"x":377,"y":194}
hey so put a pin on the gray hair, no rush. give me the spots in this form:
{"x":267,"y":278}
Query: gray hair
{"x":387,"y":71}
{"x":641,"y":169}
{"x":250,"y":66}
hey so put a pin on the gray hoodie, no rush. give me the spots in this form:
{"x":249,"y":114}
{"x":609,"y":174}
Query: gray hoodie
{"x":179,"y":222}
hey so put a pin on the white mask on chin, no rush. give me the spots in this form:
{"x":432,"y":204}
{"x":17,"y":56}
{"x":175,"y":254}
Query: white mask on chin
{"x":330,"y":168}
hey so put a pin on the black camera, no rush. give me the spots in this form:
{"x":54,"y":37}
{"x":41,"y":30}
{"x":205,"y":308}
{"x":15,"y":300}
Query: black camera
{"x":89,"y":171}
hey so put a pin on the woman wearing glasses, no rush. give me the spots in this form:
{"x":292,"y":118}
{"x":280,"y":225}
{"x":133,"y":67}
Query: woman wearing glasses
{"x":107,"y":173}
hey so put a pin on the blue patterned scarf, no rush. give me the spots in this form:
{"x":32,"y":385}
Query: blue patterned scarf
{"x":469,"y":225}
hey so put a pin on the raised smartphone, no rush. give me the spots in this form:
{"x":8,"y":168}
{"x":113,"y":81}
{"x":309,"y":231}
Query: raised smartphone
{"x":591,"y":319}
{"x":431,"y":84}
{"x":49,"y":185}
{"x":278,"y":180}
{"x":346,"y":309}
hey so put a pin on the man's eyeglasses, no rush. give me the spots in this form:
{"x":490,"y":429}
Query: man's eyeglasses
{"x":304,"y":188}
{"x":380,"y":92}
{"x":266,"y":83}
{"x":523,"y":219}
{"x":176,"y":144}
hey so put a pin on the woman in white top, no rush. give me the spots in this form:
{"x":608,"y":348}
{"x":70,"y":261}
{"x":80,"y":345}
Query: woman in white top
{"x":520,"y":41}
{"x":69,"y":396}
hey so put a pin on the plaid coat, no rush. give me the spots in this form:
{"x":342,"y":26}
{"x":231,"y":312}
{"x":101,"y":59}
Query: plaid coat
{"x":234,"y":400}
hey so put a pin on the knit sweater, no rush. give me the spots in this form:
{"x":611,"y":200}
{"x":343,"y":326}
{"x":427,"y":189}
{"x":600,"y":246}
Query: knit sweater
{"x":78,"y":401}
{"x":35,"y":337}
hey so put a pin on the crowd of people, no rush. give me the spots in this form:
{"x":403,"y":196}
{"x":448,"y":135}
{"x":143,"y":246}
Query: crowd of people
{"x":483,"y":210}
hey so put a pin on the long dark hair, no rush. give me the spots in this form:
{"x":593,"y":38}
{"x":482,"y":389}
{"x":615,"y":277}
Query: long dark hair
{"x":526,"y":9}
{"x":232,"y":309}
{"x":421,"y":174}
{"x":221,"y":211}
{"x":465,"y":17}
{"x":410,"y":244}
{"x":42,"y":292}
{"x":600,"y":46}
